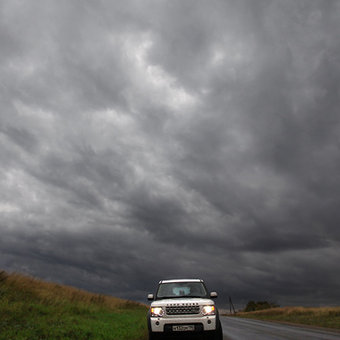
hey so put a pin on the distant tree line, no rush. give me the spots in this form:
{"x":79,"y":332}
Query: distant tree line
{"x":259,"y":305}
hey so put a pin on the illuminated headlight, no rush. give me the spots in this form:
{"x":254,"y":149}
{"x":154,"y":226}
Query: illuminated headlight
{"x":157,"y":311}
{"x":208,"y":310}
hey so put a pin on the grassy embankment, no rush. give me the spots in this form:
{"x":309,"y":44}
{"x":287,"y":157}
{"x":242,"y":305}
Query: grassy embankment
{"x":328,"y":317}
{"x":33,"y":309}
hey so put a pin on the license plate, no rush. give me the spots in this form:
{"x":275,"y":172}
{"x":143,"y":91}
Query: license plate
{"x":183,"y":328}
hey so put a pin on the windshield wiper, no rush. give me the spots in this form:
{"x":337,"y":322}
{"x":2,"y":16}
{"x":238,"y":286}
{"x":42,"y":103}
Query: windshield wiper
{"x":168,"y":297}
{"x":180,"y":297}
{"x":195,"y":296}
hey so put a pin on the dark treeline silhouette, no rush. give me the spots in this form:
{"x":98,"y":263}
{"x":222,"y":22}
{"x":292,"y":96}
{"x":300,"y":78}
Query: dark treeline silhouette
{"x":259,"y":305}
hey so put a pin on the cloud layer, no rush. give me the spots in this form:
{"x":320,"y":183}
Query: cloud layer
{"x":142,"y":141}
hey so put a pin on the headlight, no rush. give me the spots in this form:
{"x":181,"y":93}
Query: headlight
{"x":209,"y":310}
{"x":157,"y":311}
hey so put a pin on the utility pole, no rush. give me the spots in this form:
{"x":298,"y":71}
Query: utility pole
{"x":231,"y":305}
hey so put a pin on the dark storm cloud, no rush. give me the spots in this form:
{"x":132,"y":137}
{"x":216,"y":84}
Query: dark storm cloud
{"x":172,"y":139}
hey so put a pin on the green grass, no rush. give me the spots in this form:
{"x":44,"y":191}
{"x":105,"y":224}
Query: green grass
{"x":32,"y":309}
{"x":328,"y":317}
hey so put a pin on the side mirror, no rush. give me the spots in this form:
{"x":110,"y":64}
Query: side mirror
{"x":213,"y":295}
{"x":150,"y":297}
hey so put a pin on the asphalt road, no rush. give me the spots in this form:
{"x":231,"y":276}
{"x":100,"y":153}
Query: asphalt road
{"x":246,"y":329}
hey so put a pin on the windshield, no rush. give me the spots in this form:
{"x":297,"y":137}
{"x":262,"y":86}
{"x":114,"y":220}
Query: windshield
{"x":181,"y":289}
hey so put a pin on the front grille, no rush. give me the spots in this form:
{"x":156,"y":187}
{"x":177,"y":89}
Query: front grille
{"x":178,"y":310}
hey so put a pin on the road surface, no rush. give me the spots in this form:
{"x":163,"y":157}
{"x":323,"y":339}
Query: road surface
{"x":247,"y":329}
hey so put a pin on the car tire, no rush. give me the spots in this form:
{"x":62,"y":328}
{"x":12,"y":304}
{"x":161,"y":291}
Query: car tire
{"x":153,"y":336}
{"x":219,"y":332}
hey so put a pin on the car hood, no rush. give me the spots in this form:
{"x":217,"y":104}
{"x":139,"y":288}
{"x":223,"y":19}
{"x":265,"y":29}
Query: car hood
{"x":182,"y":302}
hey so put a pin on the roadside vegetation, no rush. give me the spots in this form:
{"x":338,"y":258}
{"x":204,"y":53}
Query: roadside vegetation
{"x":34,"y":309}
{"x":253,"y":306}
{"x":328,"y":317}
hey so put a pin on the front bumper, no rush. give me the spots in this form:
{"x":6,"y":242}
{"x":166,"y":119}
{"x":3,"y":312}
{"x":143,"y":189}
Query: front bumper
{"x":164,"y":324}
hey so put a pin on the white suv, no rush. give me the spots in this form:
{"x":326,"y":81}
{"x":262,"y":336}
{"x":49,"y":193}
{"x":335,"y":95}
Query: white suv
{"x":182,"y":307}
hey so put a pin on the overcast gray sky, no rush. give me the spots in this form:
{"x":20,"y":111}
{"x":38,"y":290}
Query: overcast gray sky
{"x":143,"y":140}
